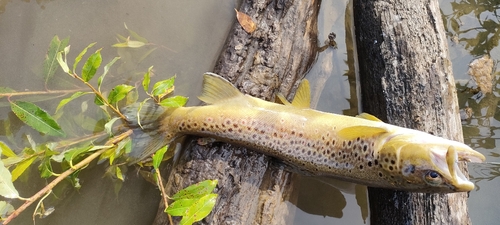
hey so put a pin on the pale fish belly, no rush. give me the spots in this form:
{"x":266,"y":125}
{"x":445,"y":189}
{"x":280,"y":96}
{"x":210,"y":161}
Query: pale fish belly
{"x":307,"y":144}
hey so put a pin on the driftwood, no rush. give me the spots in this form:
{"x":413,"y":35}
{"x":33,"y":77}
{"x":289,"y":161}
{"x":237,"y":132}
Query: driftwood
{"x":406,"y":80}
{"x":272,"y":59}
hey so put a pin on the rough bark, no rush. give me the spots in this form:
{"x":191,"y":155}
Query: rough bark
{"x":252,"y":187}
{"x":406,"y":79}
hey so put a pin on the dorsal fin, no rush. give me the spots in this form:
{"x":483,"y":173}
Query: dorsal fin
{"x":302,"y":97}
{"x":369,"y":117}
{"x":217,"y":89}
{"x":354,"y":132}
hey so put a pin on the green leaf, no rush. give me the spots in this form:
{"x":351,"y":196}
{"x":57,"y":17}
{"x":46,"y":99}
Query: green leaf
{"x":109,"y":125}
{"x":37,"y":118}
{"x":7,"y":188}
{"x":5,"y":150}
{"x":135,"y":35}
{"x":196,"y":190}
{"x":106,"y":70}
{"x":90,"y":67}
{"x":21,"y":167}
{"x":179,"y":207}
{"x":118,"y":93}
{"x":82,"y":53}
{"x":146,"y":80}
{"x":174,"y":102}
{"x":158,"y":157}
{"x":62,"y":62}
{"x":50,"y":63}
{"x":98,"y":100}
{"x":199,"y":210}
{"x":164,"y":87}
{"x":65,"y":101}
{"x":118,"y":173}
{"x":69,"y":156}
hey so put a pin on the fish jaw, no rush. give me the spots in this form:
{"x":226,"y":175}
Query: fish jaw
{"x":417,"y":161}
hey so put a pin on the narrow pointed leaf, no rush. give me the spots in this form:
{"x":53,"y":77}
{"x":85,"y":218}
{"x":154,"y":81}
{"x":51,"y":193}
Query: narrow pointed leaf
{"x":5,"y":150}
{"x":7,"y":188}
{"x":135,"y":35}
{"x":21,"y":167}
{"x":158,"y":157}
{"x":196,"y":190}
{"x":79,"y":57}
{"x":174,"y":102}
{"x":50,"y":64}
{"x":106,"y":70}
{"x":118,"y":93}
{"x":62,"y":62}
{"x":163,"y":87}
{"x":37,"y":118}
{"x":199,"y":210}
{"x":179,"y":207}
{"x":146,"y":80}
{"x":65,"y":101}
{"x":90,"y":67}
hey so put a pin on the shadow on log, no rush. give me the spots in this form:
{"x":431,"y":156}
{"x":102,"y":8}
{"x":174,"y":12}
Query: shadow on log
{"x":406,"y":80}
{"x":252,"y":187}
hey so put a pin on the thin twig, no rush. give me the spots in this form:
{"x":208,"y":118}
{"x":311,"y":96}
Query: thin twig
{"x":163,"y":194}
{"x":38,"y":92}
{"x":98,"y":93}
{"x":65,"y":174}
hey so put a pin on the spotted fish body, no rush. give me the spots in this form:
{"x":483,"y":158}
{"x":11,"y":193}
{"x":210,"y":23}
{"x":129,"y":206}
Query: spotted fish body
{"x":359,"y":149}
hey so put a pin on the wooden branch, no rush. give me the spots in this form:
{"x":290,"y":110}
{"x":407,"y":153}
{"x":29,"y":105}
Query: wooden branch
{"x":252,"y":187}
{"x":406,"y":80}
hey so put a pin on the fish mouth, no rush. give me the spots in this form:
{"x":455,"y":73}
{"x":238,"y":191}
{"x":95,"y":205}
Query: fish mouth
{"x":459,"y":181}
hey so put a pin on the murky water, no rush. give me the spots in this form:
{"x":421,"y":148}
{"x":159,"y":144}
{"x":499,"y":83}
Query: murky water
{"x":187,"y":36}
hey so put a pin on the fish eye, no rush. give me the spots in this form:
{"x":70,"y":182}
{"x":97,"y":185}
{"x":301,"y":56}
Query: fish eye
{"x":433,"y":178}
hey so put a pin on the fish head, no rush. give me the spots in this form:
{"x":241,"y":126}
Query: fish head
{"x":421,"y":162}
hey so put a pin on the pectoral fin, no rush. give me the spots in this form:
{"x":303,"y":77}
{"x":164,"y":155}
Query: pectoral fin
{"x":354,"y":132}
{"x":368,"y":117}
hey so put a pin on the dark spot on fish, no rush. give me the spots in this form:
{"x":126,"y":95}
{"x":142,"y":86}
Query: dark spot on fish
{"x":376,"y":162}
{"x":300,"y":135}
{"x":230,"y":129}
{"x":360,"y":167}
{"x":327,"y":143}
{"x":202,"y":129}
{"x":333,"y":142}
{"x":393,"y":162}
{"x":365,"y":147}
{"x":293,"y":132}
{"x":240,"y":130}
{"x":357,"y":139}
{"x":343,"y":144}
{"x":324,"y":160}
{"x":235,"y":125}
{"x":180,"y":128}
{"x":391,"y":168}
{"x":262,"y":131}
{"x":380,"y":174}
{"x":386,"y":160}
{"x":369,"y":163}
{"x":195,"y":124}
{"x":189,"y":126}
{"x":308,"y":152}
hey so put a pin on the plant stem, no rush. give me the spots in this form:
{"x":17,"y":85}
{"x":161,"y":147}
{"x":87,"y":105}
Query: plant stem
{"x":66,"y":173}
{"x":163,"y":193}
{"x":37,"y":93}
{"x":98,"y":93}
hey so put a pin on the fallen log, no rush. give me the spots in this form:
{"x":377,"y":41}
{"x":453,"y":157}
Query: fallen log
{"x":406,"y":80}
{"x":252,"y":187}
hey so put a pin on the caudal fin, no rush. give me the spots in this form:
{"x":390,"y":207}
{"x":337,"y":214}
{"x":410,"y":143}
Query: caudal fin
{"x":144,"y":120}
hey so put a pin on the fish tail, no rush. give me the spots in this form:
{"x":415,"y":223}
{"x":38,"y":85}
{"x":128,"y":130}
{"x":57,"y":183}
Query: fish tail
{"x":145,"y":120}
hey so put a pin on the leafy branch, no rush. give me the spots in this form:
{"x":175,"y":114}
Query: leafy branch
{"x":73,"y":155}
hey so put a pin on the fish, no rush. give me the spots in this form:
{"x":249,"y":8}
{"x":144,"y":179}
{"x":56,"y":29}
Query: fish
{"x":361,"y":149}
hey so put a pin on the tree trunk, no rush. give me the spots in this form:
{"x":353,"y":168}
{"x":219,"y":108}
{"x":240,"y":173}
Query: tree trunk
{"x":252,"y":187}
{"x":406,"y":80}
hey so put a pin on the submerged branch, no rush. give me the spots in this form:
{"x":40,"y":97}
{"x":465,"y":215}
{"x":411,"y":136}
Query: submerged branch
{"x":65,"y":174}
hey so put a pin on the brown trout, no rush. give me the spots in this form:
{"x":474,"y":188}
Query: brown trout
{"x":359,"y":149}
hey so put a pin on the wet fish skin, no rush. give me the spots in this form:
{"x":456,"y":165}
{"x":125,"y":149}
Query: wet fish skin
{"x":361,"y":149}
